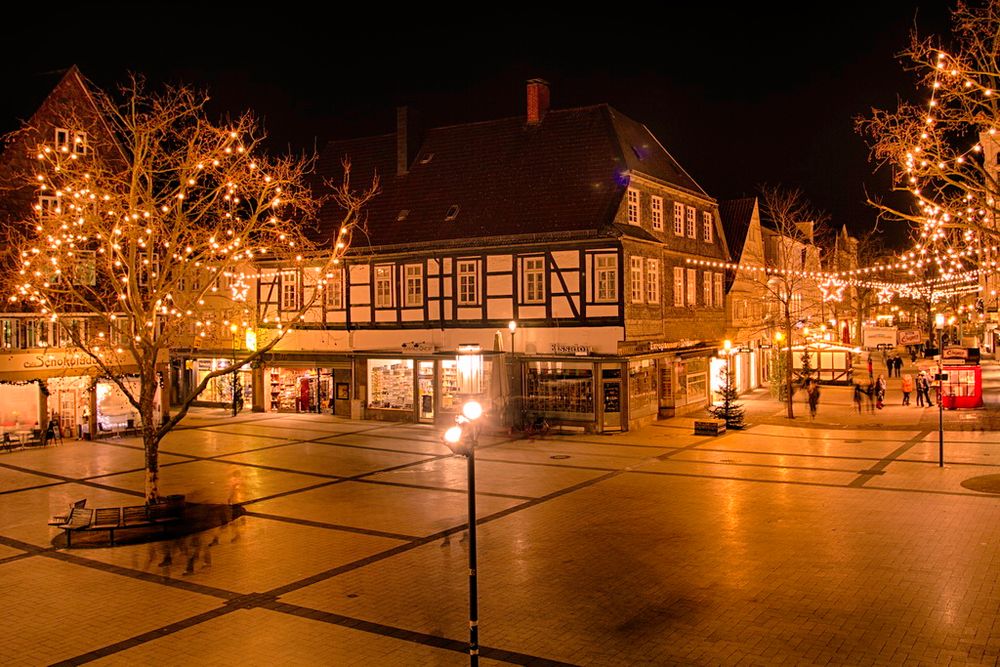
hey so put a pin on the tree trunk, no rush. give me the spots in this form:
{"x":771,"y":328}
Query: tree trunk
{"x":788,"y":358}
{"x":150,"y":443}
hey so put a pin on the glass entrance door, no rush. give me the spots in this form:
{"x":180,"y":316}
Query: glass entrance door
{"x":425,"y":391}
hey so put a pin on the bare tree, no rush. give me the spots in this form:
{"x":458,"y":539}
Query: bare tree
{"x":943,"y":150}
{"x":789,"y":284}
{"x":153,"y":239}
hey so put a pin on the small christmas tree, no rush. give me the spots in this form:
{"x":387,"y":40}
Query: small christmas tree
{"x":807,"y":369}
{"x":729,"y":409}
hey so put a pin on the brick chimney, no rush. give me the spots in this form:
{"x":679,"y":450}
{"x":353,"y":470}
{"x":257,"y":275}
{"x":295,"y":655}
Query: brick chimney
{"x":408,"y":139}
{"x":538,"y":100}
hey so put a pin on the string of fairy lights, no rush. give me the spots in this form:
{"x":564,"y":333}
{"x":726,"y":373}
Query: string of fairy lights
{"x":86,"y":225}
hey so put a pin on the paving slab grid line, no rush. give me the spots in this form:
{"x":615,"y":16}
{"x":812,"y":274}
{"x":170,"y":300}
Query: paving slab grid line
{"x":775,"y":545}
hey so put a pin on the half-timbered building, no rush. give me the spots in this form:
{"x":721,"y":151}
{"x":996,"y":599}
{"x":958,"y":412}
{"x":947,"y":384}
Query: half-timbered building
{"x":43,"y":375}
{"x":574,"y":224}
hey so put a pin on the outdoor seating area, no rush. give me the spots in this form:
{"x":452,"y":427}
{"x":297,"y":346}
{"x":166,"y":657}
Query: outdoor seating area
{"x":14,"y":437}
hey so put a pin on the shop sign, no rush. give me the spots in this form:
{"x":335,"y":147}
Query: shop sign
{"x":56,"y":361}
{"x":563,"y":348}
{"x":955,"y":353}
{"x":417,"y":346}
{"x":745,"y":349}
{"x":765,"y":346}
{"x":910,"y":337}
{"x":875,"y":336}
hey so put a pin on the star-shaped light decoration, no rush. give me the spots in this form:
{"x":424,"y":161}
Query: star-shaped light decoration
{"x":832,"y":289}
{"x":885,"y":295}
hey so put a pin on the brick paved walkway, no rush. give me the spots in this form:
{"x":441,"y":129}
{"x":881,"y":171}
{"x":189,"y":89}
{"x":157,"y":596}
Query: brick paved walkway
{"x":799,"y":544}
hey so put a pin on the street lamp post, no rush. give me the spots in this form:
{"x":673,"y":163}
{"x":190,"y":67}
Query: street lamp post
{"x":462,"y":439}
{"x":939,"y":323}
{"x":512,"y":326}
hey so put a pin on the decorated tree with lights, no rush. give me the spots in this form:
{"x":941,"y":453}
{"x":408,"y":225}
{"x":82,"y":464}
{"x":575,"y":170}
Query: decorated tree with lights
{"x":791,"y":286}
{"x":729,"y":408}
{"x":943,"y":149}
{"x":153,"y":239}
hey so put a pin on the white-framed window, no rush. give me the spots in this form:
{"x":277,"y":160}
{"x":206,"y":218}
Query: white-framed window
{"x":468,"y":282}
{"x":678,"y":218}
{"x":692,"y":287}
{"x":652,"y":281}
{"x":48,"y":205}
{"x":71,"y":141}
{"x":656,"y":212}
{"x":633,"y":207}
{"x":692,"y":222}
{"x":335,"y":290}
{"x":636,"y":278}
{"x":717,"y":287}
{"x":606,"y":270}
{"x":289,"y":290}
{"x":706,"y":277}
{"x":414,"y":277}
{"x":383,"y":286}
{"x":85,"y":267}
{"x":706,"y":226}
{"x":534,"y":280}
{"x":678,"y":286}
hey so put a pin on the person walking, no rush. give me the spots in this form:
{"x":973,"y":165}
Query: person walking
{"x":871,"y":371}
{"x":899,"y":366}
{"x":813,"y":395}
{"x":858,"y":395}
{"x":870,"y":395}
{"x":907,"y":387}
{"x":880,"y":392}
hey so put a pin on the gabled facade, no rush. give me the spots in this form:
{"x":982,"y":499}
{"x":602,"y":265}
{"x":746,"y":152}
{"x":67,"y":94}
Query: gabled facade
{"x":748,"y":325}
{"x":43,"y":376}
{"x":576,"y":224}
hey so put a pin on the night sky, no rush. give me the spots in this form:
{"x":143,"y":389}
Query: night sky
{"x":740,"y":98}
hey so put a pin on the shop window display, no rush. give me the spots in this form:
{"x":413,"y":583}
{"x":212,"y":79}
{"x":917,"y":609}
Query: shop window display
{"x":642,"y":387}
{"x":390,"y":384}
{"x":560,"y":389}
{"x":114,"y":411}
{"x":449,"y":383}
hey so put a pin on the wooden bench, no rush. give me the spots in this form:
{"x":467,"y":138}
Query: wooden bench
{"x":709,"y":427}
{"x":116,"y":518}
{"x":60,"y":519}
{"x":79,"y":519}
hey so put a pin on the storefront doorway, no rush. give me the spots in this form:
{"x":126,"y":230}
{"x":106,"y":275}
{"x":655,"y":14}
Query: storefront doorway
{"x":611,"y":398}
{"x":425,"y":391}
{"x":67,"y":399}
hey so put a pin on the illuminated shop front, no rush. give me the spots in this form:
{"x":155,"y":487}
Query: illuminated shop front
{"x":219,"y":390}
{"x":415,"y":389}
{"x":291,"y":389}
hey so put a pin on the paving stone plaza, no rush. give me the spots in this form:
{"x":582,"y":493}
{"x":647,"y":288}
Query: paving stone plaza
{"x":806,"y":544}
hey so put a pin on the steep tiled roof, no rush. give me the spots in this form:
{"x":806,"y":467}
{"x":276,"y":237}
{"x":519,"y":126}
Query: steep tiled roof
{"x":507,"y":178}
{"x":644,"y":154}
{"x":736,"y":215}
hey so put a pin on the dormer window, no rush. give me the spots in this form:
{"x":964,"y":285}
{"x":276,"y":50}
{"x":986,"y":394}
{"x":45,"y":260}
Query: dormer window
{"x":452,"y":213}
{"x":403,"y":215}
